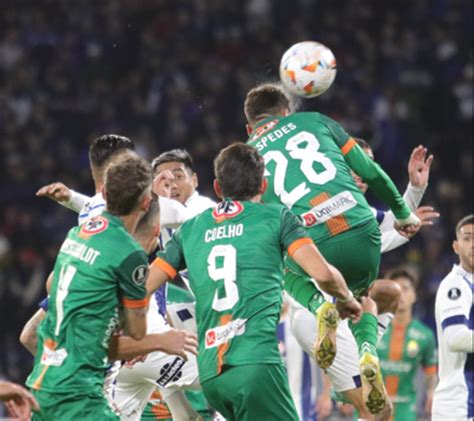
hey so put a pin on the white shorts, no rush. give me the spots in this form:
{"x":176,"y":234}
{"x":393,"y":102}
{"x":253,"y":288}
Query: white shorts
{"x":183,"y":316}
{"x":135,"y":384}
{"x":344,"y":372}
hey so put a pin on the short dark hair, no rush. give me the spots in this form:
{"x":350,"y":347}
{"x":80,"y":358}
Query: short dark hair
{"x":150,"y":218}
{"x":239,"y":171}
{"x":264,"y":101}
{"x":103,"y":148}
{"x":125,"y":182}
{"x":467,"y":220}
{"x":174,"y":155}
{"x":362,"y":143}
{"x":403,"y":272}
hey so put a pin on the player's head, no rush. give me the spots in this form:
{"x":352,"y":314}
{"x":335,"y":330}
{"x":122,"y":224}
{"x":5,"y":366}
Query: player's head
{"x":148,"y":227}
{"x":239,"y":173}
{"x":127,"y":186}
{"x":180,"y":163}
{"x":104,"y":150}
{"x":464,"y":245}
{"x":368,"y":150}
{"x":408,"y":282}
{"x":266,"y":100}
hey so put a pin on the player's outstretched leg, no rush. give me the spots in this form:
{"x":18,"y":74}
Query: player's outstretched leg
{"x":327,"y":318}
{"x":365,"y":334}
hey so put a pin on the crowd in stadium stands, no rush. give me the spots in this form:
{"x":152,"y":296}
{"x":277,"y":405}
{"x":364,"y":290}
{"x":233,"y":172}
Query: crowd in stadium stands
{"x":174,"y":74}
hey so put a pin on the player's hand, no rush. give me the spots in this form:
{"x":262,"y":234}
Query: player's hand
{"x":163,"y":183}
{"x":178,"y":342}
{"x":419,"y":167}
{"x":55,"y":191}
{"x":352,"y":309}
{"x":409,"y":226}
{"x":323,"y":406}
{"x":368,"y":305}
{"x":19,"y":401}
{"x":426,"y":215}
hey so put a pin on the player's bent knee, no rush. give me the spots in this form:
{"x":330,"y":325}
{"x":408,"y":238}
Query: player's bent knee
{"x":386,"y":294}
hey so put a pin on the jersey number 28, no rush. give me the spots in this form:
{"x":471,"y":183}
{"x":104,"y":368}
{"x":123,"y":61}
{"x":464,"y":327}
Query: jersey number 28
{"x":308,"y":155}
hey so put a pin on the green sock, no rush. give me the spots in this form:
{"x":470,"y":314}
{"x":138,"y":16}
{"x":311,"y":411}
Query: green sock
{"x":365,"y":333}
{"x":303,"y":290}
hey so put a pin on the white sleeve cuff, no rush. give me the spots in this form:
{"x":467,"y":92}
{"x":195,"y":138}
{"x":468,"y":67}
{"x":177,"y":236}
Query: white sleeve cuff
{"x":459,"y":338}
{"x":76,"y":202}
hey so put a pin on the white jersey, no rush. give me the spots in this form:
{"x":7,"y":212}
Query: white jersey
{"x":454,"y":312}
{"x":172,"y":213}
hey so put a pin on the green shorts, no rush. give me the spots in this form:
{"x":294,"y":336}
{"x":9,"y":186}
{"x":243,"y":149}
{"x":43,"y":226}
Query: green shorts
{"x":66,"y":407}
{"x":252,"y":392}
{"x":356,"y":253}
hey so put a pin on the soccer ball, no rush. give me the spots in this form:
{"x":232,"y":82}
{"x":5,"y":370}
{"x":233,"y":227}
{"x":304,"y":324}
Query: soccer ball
{"x":308,"y":69}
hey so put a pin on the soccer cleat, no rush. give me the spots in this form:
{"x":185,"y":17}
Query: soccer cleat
{"x":327,"y":319}
{"x":373,"y":388}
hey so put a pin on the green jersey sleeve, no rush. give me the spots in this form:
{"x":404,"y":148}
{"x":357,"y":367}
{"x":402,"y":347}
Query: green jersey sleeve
{"x":292,"y":233}
{"x":376,"y":178}
{"x":171,"y":260}
{"x":429,"y":358}
{"x":132,"y":274}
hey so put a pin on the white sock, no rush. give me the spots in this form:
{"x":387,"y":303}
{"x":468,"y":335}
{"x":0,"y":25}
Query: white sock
{"x":383,"y":320}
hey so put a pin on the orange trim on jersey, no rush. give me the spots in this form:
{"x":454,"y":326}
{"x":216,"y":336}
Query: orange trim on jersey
{"x":337,"y":224}
{"x":161,"y":411}
{"x":165,"y":267}
{"x":391,"y":383}
{"x":135,"y":303}
{"x":348,"y":146}
{"x":295,"y":245}
{"x":320,"y":198}
{"x":221,"y":349}
{"x":50,"y":344}
{"x":430,"y":370}
{"x":397,"y":342}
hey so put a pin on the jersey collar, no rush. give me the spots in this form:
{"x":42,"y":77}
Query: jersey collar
{"x":465,"y":274}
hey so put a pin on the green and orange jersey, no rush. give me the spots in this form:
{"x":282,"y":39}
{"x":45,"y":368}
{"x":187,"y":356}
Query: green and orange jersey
{"x":234,"y":257}
{"x":308,"y":161}
{"x":99,"y":269}
{"x":402,"y":350}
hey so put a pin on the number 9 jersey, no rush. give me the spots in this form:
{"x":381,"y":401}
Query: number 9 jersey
{"x":234,"y":256}
{"x":308,"y":160}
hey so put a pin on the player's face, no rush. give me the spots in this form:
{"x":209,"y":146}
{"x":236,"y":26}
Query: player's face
{"x":360,"y":184}
{"x":184,"y":183}
{"x":464,"y":247}
{"x":408,"y":294}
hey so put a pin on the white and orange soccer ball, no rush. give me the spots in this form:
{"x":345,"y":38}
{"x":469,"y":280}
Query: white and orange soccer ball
{"x":308,"y":69}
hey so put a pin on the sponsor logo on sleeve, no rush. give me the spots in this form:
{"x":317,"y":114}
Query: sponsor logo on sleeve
{"x":222,"y":334}
{"x":140,"y":274}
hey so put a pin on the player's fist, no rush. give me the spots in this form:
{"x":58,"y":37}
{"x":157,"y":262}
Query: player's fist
{"x":351,"y":309}
{"x":55,"y":191}
{"x":163,"y":183}
{"x":177,"y":342}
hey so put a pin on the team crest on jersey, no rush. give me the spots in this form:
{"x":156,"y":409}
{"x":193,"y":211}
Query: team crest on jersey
{"x":412,"y":348}
{"x":227,"y":210}
{"x":454,"y":293}
{"x":259,"y":131}
{"x":94,"y":225}
{"x":140,"y":274}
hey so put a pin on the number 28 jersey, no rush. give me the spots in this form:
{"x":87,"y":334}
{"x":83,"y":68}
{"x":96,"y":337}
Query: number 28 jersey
{"x":99,"y":268}
{"x":234,"y":256}
{"x":307,"y":172}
